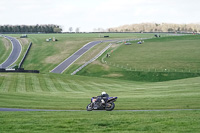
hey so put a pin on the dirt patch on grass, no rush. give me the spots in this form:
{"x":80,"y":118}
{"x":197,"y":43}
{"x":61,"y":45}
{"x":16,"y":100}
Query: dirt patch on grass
{"x":106,"y":67}
{"x":4,"y":75}
{"x":114,"y":75}
{"x":114,"y":45}
{"x":64,"y":54}
{"x":6,"y":43}
{"x":54,"y":59}
{"x":23,"y":41}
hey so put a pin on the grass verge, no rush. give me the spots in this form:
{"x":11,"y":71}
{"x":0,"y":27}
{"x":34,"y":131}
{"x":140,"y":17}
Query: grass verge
{"x":164,"y":121}
{"x":5,"y":49}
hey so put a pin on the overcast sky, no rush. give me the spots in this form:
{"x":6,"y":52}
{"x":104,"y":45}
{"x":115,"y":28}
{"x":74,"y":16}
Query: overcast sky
{"x":90,"y":14}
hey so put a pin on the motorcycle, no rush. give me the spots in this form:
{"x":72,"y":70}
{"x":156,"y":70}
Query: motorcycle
{"x":96,"y":104}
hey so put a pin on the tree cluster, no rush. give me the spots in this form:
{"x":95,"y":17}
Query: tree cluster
{"x":156,"y":27}
{"x":50,"y":28}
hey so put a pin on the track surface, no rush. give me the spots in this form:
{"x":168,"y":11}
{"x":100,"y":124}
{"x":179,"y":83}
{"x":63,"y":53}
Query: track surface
{"x":66,"y":63}
{"x":14,"y":109}
{"x":16,"y":51}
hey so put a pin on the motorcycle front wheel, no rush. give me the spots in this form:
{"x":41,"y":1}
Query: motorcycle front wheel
{"x":111,"y":107}
{"x":89,"y":107}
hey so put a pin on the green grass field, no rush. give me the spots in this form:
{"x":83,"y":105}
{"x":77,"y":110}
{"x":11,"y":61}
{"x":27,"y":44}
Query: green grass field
{"x":5,"y":49}
{"x":180,"y":53}
{"x":123,"y":122}
{"x":135,"y":90}
{"x":157,"y":59}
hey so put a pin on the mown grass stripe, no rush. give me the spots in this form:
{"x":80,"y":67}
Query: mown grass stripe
{"x":13,"y":84}
{"x":108,"y":88}
{"x":42,"y":83}
{"x":50,"y":84}
{"x":36,"y":83}
{"x":65,"y":85}
{"x":1,"y":82}
{"x":56,"y":83}
{"x":86,"y":86}
{"x":73,"y":85}
{"x":21,"y":83}
{"x":95,"y":87}
{"x":28,"y":83}
{"x":5,"y":84}
{"x":102,"y":88}
{"x":79,"y":85}
{"x":116,"y":87}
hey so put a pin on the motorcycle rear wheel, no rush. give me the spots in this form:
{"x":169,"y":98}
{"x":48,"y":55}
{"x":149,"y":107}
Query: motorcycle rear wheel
{"x":111,"y":107}
{"x":89,"y":107}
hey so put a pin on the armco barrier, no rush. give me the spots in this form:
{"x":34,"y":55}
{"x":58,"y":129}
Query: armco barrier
{"x":90,"y":61}
{"x":21,"y":70}
{"x":22,"y":61}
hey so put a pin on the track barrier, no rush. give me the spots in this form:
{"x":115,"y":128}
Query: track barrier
{"x":21,"y":70}
{"x":90,"y":61}
{"x":25,"y":55}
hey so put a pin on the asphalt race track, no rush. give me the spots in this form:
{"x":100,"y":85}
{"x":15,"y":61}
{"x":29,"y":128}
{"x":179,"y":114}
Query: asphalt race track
{"x":16,"y":51}
{"x":66,"y":63}
{"x":14,"y":109}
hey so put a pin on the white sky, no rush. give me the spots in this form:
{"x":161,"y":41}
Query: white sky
{"x":90,"y":14}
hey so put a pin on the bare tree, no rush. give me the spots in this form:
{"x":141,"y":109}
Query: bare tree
{"x":70,"y":29}
{"x":155,"y":27}
{"x":77,"y":30}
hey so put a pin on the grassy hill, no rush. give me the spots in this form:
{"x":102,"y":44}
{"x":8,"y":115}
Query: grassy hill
{"x":56,"y":91}
{"x":157,"y":59}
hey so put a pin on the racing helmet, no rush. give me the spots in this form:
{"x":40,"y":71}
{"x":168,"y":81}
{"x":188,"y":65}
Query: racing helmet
{"x":103,"y":93}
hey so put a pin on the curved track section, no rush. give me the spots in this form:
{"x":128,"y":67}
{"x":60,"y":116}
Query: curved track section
{"x":66,"y":63}
{"x":14,"y":55}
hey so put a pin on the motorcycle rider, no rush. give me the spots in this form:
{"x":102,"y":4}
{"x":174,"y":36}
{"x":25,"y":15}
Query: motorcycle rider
{"x":103,"y":97}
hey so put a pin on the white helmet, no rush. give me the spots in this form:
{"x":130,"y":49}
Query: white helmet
{"x":103,"y":93}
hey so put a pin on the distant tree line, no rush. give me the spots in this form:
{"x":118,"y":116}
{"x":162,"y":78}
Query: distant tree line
{"x":50,"y":28}
{"x":156,"y":27}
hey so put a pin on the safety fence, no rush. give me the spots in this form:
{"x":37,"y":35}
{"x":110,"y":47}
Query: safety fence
{"x":21,"y":70}
{"x":129,"y":68}
{"x":25,"y":55}
{"x":90,"y":61}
